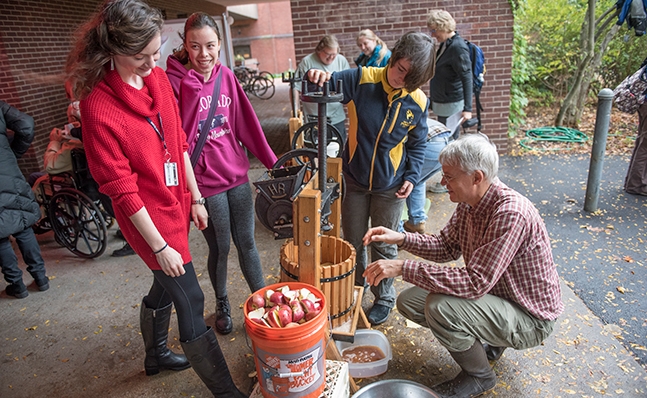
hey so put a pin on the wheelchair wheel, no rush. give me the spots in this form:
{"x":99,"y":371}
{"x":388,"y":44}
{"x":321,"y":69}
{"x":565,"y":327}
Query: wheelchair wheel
{"x":307,"y":136}
{"x":77,"y":223}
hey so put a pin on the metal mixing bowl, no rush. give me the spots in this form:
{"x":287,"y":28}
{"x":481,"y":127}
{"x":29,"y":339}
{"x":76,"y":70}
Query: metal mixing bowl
{"x":395,"y":389}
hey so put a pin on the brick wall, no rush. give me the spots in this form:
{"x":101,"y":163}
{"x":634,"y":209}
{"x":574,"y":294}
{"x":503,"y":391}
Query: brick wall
{"x":485,"y":22}
{"x":35,"y":38}
{"x":270,"y":37}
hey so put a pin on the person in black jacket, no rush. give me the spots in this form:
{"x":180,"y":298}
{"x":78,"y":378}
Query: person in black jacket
{"x":451,"y":87}
{"x":18,"y":207}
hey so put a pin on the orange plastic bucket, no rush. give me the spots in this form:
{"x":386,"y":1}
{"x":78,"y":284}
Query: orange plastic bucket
{"x":290,"y":362}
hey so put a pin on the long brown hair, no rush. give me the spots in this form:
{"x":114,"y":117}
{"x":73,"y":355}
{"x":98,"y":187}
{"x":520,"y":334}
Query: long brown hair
{"x":119,"y":27}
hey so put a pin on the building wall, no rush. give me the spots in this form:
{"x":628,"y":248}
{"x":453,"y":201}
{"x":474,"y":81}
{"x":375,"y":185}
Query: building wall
{"x":487,"y":23}
{"x":269,"y":37}
{"x":35,"y":38}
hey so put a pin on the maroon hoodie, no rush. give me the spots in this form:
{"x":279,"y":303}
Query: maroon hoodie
{"x":223,"y":162}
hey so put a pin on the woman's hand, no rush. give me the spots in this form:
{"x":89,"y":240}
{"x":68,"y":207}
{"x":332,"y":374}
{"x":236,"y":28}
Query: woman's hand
{"x":382,"y":234}
{"x":171,"y":262}
{"x":404,"y":190}
{"x":318,"y":77}
{"x":199,"y":216}
{"x":382,"y":269}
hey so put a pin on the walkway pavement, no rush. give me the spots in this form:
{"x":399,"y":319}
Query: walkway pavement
{"x":81,"y":338}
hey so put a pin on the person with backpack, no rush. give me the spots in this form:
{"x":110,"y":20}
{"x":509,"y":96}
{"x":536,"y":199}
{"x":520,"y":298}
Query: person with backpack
{"x":451,"y":86}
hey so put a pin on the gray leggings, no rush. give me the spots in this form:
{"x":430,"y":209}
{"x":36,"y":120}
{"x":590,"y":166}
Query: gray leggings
{"x":231,"y":213}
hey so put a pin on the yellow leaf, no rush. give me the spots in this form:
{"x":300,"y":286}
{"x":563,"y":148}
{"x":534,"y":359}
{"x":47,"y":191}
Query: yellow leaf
{"x":621,"y":289}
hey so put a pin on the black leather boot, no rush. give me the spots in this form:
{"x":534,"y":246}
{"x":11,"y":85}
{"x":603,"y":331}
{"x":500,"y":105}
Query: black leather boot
{"x":224,"y":325}
{"x":493,"y":353}
{"x":154,"y":326}
{"x":207,"y":360}
{"x":475,"y":378}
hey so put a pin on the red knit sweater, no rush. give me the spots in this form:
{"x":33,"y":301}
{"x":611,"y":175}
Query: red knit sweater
{"x":126,"y":157}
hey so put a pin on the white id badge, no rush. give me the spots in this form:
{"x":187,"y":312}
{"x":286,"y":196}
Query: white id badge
{"x":170,"y":174}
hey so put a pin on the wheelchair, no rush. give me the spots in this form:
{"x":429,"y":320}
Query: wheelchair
{"x":72,"y":207}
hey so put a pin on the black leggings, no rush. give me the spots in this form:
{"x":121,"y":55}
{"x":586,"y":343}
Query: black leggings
{"x":185,"y":292}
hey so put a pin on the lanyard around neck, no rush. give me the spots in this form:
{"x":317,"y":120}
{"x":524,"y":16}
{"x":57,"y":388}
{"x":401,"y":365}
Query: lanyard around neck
{"x":160,"y":134}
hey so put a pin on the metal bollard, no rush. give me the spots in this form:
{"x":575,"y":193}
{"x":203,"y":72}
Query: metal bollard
{"x":597,"y":151}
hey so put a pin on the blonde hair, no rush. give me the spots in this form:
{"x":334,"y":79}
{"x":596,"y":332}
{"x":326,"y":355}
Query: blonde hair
{"x":441,"y":20}
{"x":372,"y":36}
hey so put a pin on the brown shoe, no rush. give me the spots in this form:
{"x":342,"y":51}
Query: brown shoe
{"x":419,"y":228}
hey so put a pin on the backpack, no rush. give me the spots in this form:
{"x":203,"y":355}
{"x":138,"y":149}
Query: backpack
{"x":478,"y":72}
{"x":630,"y":94}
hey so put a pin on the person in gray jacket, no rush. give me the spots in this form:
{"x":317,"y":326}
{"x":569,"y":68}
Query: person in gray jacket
{"x":451,"y":86}
{"x":18,"y":207}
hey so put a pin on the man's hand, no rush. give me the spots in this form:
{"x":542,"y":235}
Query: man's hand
{"x":382,"y":234}
{"x":466,"y":116}
{"x":404,"y":190}
{"x":318,"y":77}
{"x":382,"y":269}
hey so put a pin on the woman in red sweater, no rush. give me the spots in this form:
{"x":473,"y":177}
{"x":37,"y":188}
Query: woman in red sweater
{"x":137,"y":153}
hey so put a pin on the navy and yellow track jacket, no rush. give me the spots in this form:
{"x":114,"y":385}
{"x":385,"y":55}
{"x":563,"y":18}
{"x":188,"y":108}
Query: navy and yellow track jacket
{"x":388,"y":129}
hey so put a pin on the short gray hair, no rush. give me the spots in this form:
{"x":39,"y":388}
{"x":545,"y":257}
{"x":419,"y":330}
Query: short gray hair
{"x":472,"y":152}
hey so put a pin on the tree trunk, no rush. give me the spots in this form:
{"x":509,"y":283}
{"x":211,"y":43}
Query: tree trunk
{"x":568,"y":110}
{"x":570,"y":113}
{"x":591,"y":72}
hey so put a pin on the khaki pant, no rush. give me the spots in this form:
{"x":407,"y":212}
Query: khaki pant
{"x":457,"y":322}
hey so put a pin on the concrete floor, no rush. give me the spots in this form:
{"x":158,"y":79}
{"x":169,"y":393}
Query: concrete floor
{"x":81,"y":338}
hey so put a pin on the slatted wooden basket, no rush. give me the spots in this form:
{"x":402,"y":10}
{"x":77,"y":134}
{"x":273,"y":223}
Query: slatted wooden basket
{"x":337,"y":274}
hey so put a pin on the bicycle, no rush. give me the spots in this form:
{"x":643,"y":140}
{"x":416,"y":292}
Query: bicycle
{"x":255,"y":83}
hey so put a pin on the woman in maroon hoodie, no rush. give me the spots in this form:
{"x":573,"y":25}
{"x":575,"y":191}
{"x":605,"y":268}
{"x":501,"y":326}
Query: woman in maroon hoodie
{"x":222,"y":165}
{"x":136,"y":151}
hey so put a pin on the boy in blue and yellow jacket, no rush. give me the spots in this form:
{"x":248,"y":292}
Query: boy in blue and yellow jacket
{"x":385,"y":149}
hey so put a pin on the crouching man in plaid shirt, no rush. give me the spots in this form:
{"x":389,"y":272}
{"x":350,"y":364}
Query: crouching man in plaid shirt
{"x":508,"y":293}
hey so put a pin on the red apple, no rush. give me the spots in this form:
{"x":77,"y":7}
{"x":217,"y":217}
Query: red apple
{"x":256,"y":314}
{"x":308,"y":306}
{"x":285,"y":315}
{"x":276,"y":298}
{"x":310,"y":315}
{"x":297,"y":311}
{"x":273,"y":319}
{"x":289,"y":296}
{"x":257,"y":301}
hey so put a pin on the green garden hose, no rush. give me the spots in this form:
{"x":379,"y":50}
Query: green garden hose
{"x":553,"y":134}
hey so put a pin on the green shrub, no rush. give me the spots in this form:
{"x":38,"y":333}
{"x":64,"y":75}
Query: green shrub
{"x":551,"y":32}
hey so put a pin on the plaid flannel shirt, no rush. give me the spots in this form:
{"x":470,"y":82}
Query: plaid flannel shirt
{"x":506,"y":249}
